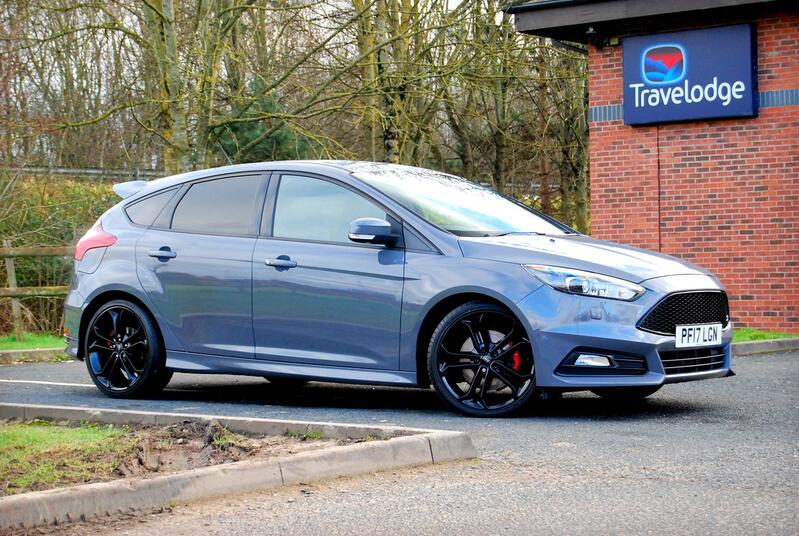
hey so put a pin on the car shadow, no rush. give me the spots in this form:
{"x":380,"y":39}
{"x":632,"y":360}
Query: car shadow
{"x":320,"y":395}
{"x":588,"y":406}
{"x":363,"y":397}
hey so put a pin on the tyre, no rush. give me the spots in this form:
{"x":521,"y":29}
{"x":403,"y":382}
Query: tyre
{"x":124,"y":353}
{"x":480,"y":361}
{"x":625,"y":393}
{"x":285,"y":382}
{"x":164,"y":377}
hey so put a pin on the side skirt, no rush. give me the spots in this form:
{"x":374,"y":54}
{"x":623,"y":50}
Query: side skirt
{"x":211,"y":364}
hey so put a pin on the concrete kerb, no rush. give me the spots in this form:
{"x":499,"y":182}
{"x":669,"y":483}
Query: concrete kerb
{"x":405,"y":447}
{"x":235,"y":424}
{"x":763,"y":347}
{"x":36,"y":355}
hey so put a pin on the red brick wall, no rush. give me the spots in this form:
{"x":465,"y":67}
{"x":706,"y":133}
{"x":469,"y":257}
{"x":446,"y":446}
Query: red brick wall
{"x":721,"y":194}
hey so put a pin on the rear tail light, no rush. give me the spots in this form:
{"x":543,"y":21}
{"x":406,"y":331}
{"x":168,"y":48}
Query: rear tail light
{"x":95,"y":237}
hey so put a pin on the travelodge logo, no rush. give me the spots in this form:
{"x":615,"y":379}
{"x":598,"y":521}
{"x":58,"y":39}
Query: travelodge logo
{"x":663,"y":64}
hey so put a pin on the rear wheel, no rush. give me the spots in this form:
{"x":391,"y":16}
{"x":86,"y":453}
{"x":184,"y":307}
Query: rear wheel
{"x":625,"y":393}
{"x":481,"y":362}
{"x":124,"y":354}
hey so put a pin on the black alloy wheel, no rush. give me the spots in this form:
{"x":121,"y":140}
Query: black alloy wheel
{"x":481,"y":362}
{"x":123,"y":351}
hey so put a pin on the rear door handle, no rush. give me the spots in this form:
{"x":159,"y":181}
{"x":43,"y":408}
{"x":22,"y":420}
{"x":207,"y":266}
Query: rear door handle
{"x":282,"y":261}
{"x":163,"y":253}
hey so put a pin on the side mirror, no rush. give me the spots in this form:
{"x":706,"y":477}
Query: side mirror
{"x":372,"y":231}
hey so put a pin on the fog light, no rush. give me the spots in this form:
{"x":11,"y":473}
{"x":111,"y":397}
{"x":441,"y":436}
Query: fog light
{"x":592,"y":360}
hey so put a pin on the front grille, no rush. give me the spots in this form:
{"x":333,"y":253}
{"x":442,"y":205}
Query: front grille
{"x":686,"y":308}
{"x":692,"y":360}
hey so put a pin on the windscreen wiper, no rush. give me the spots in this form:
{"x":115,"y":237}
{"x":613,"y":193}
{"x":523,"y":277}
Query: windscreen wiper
{"x":519,"y":233}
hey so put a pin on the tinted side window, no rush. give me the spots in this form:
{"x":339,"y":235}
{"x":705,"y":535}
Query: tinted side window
{"x":222,"y":206}
{"x":145,"y":211}
{"x":314,"y":209}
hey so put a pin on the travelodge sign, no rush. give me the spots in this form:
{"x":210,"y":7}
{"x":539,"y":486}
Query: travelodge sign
{"x":698,"y":74}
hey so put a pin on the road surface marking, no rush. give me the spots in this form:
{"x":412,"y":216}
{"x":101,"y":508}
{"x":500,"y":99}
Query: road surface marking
{"x":37,"y":382}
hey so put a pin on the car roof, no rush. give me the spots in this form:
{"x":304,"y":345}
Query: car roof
{"x":348,"y":166}
{"x":148,"y":187}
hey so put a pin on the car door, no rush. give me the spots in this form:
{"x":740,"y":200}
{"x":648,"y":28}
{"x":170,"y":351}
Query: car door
{"x":319,"y":298}
{"x":195,"y":263}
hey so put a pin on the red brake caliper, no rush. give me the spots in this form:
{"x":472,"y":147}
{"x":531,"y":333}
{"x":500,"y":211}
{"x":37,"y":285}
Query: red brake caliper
{"x":517,"y":361}
{"x":517,"y":358}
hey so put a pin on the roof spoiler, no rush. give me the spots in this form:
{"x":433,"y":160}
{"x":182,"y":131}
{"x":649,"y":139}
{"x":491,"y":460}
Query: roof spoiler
{"x":127,"y":189}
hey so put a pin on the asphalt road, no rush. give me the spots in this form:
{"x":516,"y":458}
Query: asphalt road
{"x":719,"y":456}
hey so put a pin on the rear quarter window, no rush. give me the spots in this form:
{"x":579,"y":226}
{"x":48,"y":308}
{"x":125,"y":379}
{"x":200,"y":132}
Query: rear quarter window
{"x":145,"y":211}
{"x":218,"y":206}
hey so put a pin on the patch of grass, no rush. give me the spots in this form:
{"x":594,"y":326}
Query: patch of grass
{"x":305,"y":436}
{"x":751,"y":334}
{"x":31,"y":341}
{"x":38,"y":455}
{"x":370,"y":437}
{"x":225,"y":438}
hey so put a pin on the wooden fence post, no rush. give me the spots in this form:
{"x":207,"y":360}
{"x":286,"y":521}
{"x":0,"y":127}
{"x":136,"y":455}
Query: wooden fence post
{"x":16,"y":310}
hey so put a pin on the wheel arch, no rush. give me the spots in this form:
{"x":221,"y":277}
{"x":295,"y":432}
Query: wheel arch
{"x":435,"y":313}
{"x":104,"y":297}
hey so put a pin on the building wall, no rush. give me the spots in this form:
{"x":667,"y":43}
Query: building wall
{"x":723,"y":194}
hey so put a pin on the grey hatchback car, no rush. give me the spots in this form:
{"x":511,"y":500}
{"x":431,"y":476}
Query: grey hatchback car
{"x":360,"y":272}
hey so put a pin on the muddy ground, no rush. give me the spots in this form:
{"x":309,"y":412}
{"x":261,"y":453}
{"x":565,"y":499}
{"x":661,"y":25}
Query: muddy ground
{"x":148,"y":451}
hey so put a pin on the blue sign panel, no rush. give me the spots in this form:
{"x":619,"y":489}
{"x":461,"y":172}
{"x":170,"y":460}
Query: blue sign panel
{"x":698,"y":74}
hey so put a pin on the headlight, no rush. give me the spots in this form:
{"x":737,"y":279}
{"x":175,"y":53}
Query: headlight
{"x":586,"y":283}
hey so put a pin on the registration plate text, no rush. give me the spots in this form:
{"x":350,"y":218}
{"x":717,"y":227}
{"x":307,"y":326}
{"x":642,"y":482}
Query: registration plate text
{"x":690,"y":336}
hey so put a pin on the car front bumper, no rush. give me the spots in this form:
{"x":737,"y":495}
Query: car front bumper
{"x":560,"y":324}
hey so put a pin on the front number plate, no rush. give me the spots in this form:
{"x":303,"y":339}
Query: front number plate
{"x":694,"y":335}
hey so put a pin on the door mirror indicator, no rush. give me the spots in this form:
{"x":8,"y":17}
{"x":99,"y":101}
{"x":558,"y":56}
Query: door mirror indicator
{"x":372,"y":231}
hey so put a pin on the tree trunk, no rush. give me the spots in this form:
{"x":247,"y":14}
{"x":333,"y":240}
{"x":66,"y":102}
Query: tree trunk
{"x":543,"y":125}
{"x":161,"y":30}
{"x":582,"y":219}
{"x":463,"y":145}
{"x":500,"y":154}
{"x":366,"y":43}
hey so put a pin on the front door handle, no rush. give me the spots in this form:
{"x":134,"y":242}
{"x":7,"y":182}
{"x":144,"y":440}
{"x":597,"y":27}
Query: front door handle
{"x":163,"y":253}
{"x":283,"y":261}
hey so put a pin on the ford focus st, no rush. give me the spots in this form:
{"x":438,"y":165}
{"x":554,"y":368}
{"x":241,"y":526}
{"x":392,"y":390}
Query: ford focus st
{"x":360,"y":272}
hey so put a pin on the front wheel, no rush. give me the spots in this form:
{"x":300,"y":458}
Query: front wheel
{"x":124,"y":354}
{"x":625,"y":393}
{"x":481,"y":362}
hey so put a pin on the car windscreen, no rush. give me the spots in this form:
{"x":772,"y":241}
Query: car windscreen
{"x":460,"y":206}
